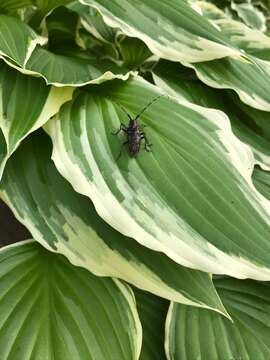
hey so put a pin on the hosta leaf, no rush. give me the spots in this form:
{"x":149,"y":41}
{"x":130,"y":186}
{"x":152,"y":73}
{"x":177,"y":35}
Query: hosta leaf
{"x":3,"y":148}
{"x":64,"y":70}
{"x":249,"y":124}
{"x":152,"y":312}
{"x":43,"y":8}
{"x":201,"y":334}
{"x":61,"y":26}
{"x":93,"y":22}
{"x":191,"y":198}
{"x":11,"y":5}
{"x":252,"y":127}
{"x":261,"y":179}
{"x":18,"y":48}
{"x":250,"y":15}
{"x":133,"y":51}
{"x":240,"y":35}
{"x":65,"y":221}
{"x":52,"y":310}
{"x":17,"y":40}
{"x":26,"y":103}
{"x":250,"y":80}
{"x":249,"y":76}
{"x":171,"y":29}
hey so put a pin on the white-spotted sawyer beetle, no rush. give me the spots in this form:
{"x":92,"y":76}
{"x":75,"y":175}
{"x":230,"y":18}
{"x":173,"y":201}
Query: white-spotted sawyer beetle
{"x":134,"y":133}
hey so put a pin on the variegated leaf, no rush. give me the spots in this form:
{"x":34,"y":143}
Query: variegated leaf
{"x":191,"y":198}
{"x":66,"y":222}
{"x":171,"y":29}
{"x":201,"y":334}
{"x":52,"y":310}
{"x":26,"y":103}
{"x":249,"y":124}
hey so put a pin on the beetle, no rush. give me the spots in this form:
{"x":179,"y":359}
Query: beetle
{"x":134,"y":132}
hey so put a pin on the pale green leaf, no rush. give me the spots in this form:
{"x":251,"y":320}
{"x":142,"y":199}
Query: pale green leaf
{"x":26,"y":103}
{"x":17,"y":40}
{"x":152,"y":312}
{"x":201,"y":334}
{"x":191,"y":198}
{"x":171,"y":28}
{"x":65,"y":221}
{"x":52,"y":310}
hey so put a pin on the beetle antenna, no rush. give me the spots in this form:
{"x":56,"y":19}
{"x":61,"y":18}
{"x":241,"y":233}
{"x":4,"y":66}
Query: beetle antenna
{"x":147,"y":106}
{"x":125,"y":111}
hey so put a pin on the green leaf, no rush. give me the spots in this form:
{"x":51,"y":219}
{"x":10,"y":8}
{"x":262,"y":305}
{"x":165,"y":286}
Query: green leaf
{"x":44,"y":7}
{"x":26,"y":103}
{"x":62,"y":28}
{"x":18,"y":47}
{"x":171,"y":29}
{"x":248,"y":75}
{"x":93,"y":22}
{"x":52,"y":310}
{"x":17,"y":40}
{"x":152,"y":312}
{"x":250,"y":15}
{"x":133,"y":51}
{"x":201,"y":334}
{"x":261,"y":179}
{"x":249,"y":124}
{"x":65,"y":221}
{"x":11,"y":5}
{"x":250,"y":80}
{"x":191,"y":198}
{"x":77,"y":69}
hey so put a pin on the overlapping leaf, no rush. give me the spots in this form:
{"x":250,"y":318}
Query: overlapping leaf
{"x":261,"y":179}
{"x":92,"y":20}
{"x":26,"y":103}
{"x":78,"y":70}
{"x":250,"y":80}
{"x":191,"y":198}
{"x":252,"y":16}
{"x":66,"y":222}
{"x":200,"y":334}
{"x":171,"y":29}
{"x":43,"y":8}
{"x":17,"y":40}
{"x":11,"y":5}
{"x":18,"y":47}
{"x":53,"y":310}
{"x":248,"y":75}
{"x":152,"y":312}
{"x":249,"y":124}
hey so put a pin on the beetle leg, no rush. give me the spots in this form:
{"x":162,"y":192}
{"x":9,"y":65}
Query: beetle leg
{"x":118,"y":157}
{"x":122,"y":128}
{"x":147,"y":145}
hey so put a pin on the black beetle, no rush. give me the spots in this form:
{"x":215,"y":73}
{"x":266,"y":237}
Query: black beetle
{"x":134,"y":133}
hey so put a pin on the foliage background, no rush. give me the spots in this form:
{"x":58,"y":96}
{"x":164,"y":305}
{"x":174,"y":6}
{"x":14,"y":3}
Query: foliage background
{"x":165,"y":256}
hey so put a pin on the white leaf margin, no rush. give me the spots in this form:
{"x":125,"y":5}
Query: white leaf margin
{"x":124,"y":289}
{"x":239,"y":155}
{"x":205,"y":49}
